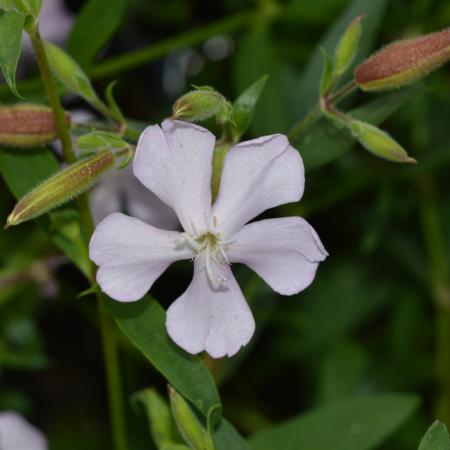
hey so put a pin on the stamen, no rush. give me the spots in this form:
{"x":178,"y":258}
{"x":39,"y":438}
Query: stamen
{"x":209,"y":271}
{"x":224,"y":255}
{"x":190,"y":242}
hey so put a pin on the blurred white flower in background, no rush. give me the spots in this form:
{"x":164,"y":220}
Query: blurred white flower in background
{"x":17,"y":434}
{"x":120,"y":190}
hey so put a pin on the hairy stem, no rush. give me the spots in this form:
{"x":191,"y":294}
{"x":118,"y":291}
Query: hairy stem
{"x":52,"y":94}
{"x":109,"y":341}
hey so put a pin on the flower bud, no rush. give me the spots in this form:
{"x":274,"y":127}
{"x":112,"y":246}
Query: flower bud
{"x":26,"y":125}
{"x":404,"y":62}
{"x":202,"y":104}
{"x":348,"y":47}
{"x":61,"y":187}
{"x":379,"y":142}
{"x":188,"y":424}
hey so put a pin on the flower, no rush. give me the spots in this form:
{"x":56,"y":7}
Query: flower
{"x":175,"y":162}
{"x":17,"y":434}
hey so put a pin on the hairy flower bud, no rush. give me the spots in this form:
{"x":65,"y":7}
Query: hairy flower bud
{"x":202,"y":104}
{"x":348,"y":47}
{"x":379,"y":142}
{"x":404,"y":62}
{"x":61,"y":187}
{"x":26,"y":125}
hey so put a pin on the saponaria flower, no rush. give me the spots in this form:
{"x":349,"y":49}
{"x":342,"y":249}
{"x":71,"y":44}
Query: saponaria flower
{"x":175,"y":162}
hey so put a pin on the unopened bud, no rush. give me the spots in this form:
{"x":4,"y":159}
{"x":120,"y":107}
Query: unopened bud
{"x":61,"y":187}
{"x":379,"y":142}
{"x":347,"y":47}
{"x":26,"y":125}
{"x":188,"y":424}
{"x":202,"y":104}
{"x":404,"y":62}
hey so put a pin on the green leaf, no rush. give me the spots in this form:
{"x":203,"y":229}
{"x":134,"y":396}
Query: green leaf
{"x":227,"y":438}
{"x":70,"y":74}
{"x":306,"y":95}
{"x":27,"y":7}
{"x":22,"y":171}
{"x":324,"y":143}
{"x":101,"y":140}
{"x":113,"y":106}
{"x":162,"y":427}
{"x":256,"y":55}
{"x":143,"y":323}
{"x":93,"y":28}
{"x":93,"y":290}
{"x":436,"y":438}
{"x":244,"y":106}
{"x":11,"y":29}
{"x":358,"y":424}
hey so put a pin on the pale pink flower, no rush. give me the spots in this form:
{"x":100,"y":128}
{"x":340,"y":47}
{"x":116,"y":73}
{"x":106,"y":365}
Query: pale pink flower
{"x":17,"y":434}
{"x":175,"y":162}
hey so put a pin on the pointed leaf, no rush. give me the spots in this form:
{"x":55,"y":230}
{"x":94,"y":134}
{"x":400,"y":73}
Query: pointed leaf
{"x":436,"y":438}
{"x":93,"y":28}
{"x":358,"y":424}
{"x":70,"y":74}
{"x":244,"y":106}
{"x":101,"y":140}
{"x":143,"y":323}
{"x":11,"y":29}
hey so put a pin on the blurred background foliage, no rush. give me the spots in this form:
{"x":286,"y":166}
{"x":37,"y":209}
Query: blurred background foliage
{"x":368,"y":322}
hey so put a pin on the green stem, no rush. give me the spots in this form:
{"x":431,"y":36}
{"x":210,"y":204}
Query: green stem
{"x":343,"y":92}
{"x":305,"y":124}
{"x":121,"y":63}
{"x":52,"y":94}
{"x":109,"y":339}
{"x":314,"y":115}
{"x":435,"y":244}
{"x":111,"y":360}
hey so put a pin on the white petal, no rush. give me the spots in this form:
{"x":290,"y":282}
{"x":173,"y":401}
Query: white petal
{"x":17,"y":434}
{"x":131,"y":255}
{"x":175,"y":162}
{"x":257,"y":175}
{"x":284,"y":252}
{"x":218,"y":321}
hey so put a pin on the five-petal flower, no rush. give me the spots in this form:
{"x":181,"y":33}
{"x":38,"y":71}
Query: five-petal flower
{"x":175,"y":162}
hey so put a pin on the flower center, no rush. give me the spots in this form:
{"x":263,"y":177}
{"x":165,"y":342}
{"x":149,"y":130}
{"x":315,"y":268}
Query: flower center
{"x":212,"y":247}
